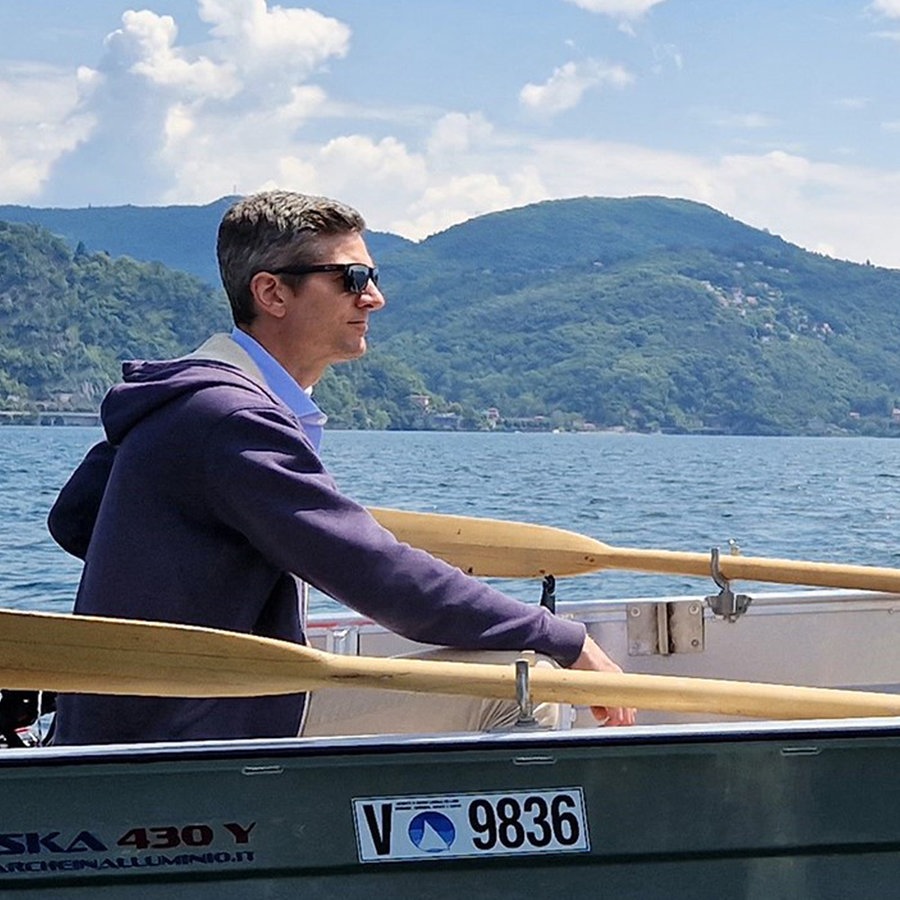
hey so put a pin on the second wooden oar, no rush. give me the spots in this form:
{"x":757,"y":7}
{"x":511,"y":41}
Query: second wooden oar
{"x":503,"y":549}
{"x":121,"y":656}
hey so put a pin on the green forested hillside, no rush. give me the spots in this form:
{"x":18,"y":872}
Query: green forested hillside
{"x":649,"y":314}
{"x":69,"y":317}
{"x":644,"y":313}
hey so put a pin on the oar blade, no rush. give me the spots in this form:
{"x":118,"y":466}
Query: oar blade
{"x":86,"y":654}
{"x":507,"y":549}
{"x":494,"y":547}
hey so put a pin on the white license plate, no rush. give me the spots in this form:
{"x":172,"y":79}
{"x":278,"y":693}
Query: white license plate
{"x":449,"y":826}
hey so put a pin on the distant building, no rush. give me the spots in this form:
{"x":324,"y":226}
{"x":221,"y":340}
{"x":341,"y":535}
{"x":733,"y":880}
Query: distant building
{"x":446,"y":421}
{"x":528,"y":423}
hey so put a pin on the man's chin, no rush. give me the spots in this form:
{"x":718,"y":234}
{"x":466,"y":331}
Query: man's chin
{"x":355,"y":352}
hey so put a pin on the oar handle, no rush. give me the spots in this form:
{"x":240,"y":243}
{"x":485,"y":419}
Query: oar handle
{"x":750,"y":568}
{"x":653,"y":692}
{"x":708,"y":695}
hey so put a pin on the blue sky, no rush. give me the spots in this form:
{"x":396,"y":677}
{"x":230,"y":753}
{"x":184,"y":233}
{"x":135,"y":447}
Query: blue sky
{"x":785,"y":115}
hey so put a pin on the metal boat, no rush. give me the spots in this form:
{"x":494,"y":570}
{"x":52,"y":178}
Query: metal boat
{"x":679,"y":806}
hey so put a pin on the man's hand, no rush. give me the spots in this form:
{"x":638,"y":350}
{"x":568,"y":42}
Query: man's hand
{"x":594,"y":659}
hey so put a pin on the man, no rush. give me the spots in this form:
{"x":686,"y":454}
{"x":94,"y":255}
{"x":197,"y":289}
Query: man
{"x":207,"y":500}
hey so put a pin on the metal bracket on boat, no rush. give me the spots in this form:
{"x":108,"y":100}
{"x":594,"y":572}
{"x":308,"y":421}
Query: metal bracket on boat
{"x":661,"y":628}
{"x":548,"y":593}
{"x":523,"y":696}
{"x":726,"y":604}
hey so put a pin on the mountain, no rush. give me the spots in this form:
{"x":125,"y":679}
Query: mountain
{"x":643,"y":313}
{"x":647,"y":313}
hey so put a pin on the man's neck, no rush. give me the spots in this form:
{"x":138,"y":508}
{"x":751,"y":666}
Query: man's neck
{"x":305,"y":374}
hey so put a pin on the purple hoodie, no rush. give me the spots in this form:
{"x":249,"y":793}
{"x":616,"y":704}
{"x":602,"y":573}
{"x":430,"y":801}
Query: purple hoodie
{"x":204,"y":497}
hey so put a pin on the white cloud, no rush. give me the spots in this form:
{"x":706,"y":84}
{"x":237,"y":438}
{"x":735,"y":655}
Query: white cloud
{"x":276,"y":38}
{"x":619,"y":9}
{"x":39,"y":122}
{"x":818,"y":205}
{"x":852,"y":102}
{"x":211,"y":152}
{"x":145,"y":47}
{"x":171,"y":121}
{"x":567,"y":85}
{"x":750,"y":121}
{"x":253,"y":47}
{"x":457,"y":133}
{"x":356,"y":157}
{"x":379,"y":177}
{"x":30,"y":93}
{"x":458,"y":198}
{"x":667,"y":53}
{"x":889,"y":8}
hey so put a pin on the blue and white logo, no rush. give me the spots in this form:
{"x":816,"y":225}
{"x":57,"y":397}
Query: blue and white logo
{"x":432,"y":832}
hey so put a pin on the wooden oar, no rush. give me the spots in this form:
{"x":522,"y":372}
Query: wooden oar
{"x":502,"y":549}
{"x":119,"y":656}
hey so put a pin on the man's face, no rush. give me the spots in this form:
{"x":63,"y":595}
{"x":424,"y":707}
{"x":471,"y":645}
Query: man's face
{"x":325,"y":322}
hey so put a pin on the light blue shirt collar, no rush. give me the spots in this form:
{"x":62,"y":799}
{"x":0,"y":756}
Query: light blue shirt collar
{"x":298,"y":400}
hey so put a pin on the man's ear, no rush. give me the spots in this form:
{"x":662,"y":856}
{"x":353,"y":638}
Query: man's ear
{"x":268,"y":294}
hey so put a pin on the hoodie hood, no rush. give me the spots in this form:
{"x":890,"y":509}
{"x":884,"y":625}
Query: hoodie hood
{"x":147,"y":388}
{"x":149,"y":385}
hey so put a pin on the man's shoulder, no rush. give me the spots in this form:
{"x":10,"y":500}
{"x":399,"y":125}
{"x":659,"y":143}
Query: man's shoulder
{"x":222,"y":385}
{"x":224,"y":349}
{"x":225,"y":394}
{"x":201,"y":388}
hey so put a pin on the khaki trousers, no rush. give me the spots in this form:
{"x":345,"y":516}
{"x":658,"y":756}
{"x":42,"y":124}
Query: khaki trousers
{"x":334,"y":711}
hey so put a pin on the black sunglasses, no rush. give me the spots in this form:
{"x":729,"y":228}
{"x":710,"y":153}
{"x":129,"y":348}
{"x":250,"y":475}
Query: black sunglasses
{"x":356,"y":275}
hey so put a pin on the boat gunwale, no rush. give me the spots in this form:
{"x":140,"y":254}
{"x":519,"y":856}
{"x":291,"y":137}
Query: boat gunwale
{"x":809,"y":600}
{"x":690,"y":734}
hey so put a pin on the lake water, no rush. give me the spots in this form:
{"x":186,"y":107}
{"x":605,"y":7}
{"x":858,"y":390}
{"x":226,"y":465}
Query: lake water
{"x":826,"y":499}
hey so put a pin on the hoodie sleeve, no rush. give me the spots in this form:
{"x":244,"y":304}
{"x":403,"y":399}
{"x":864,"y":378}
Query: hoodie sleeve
{"x":269,"y":484}
{"x":72,"y":516}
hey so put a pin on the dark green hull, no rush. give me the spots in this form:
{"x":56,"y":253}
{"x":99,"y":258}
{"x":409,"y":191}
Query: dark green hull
{"x":738,"y":811}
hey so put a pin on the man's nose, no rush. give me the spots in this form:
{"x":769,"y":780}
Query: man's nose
{"x":371,"y":296}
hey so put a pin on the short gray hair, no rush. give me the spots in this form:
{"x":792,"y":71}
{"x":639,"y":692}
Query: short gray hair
{"x":272,"y":230}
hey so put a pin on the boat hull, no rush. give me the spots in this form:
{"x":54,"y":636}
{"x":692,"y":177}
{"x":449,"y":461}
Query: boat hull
{"x":745,"y":810}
